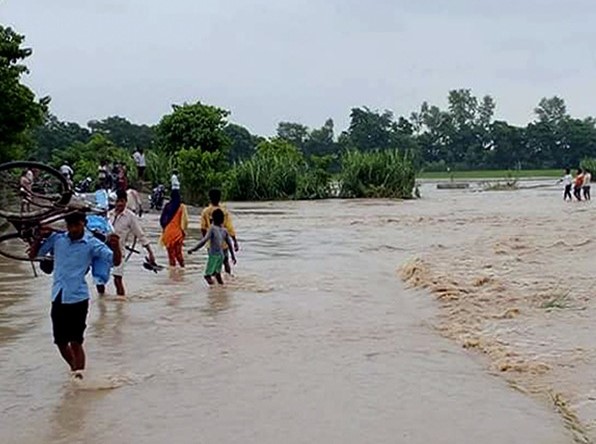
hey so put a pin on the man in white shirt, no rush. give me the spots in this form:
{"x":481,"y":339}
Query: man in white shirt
{"x":568,"y":183}
{"x":125,"y":224}
{"x":586,"y":185}
{"x":135,"y":203}
{"x":139,"y":158}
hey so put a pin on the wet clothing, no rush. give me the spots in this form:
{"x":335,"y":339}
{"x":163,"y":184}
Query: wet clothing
{"x":72,"y":261}
{"x":217,"y":237}
{"x":69,"y":321}
{"x":175,"y":253}
{"x":207,"y":220}
{"x":171,"y":208}
{"x":174,"y":233}
{"x":126,"y":225}
{"x":100,"y":226}
{"x":214,"y":264}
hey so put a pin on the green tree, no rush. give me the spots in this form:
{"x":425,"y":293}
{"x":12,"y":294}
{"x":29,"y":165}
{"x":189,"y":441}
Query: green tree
{"x":124,"y":133}
{"x":243,"y":143}
{"x":86,"y":157}
{"x":55,"y":135}
{"x":199,"y":172}
{"x":369,"y":130}
{"x":20,"y":111}
{"x":321,"y":141}
{"x":194,"y":126}
{"x":508,"y":149}
{"x":295,"y":133}
{"x":551,"y":110}
{"x":547,"y":137}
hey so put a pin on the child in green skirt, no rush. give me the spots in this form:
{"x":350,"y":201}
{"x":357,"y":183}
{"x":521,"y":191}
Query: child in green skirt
{"x":217,"y":236}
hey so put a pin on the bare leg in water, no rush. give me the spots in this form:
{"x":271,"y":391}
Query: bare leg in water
{"x":74,"y":355}
{"x":67,"y":355}
{"x":78,"y":353}
{"x":219,"y":279}
{"x":119,"y":283}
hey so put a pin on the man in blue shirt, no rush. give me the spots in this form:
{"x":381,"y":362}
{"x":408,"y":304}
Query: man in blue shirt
{"x":75,"y":252}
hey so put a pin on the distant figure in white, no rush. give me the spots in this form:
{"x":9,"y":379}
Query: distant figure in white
{"x":175,"y":181}
{"x":67,"y":172}
{"x":139,"y":158}
{"x":567,"y":183}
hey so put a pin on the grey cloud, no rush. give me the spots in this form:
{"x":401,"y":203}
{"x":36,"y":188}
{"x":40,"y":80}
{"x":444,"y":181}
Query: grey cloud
{"x":303,"y":60}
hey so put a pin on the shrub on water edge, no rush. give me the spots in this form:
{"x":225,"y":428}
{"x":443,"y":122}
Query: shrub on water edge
{"x":314,"y":182}
{"x":279,"y":174}
{"x":589,"y":164}
{"x":262,"y":177}
{"x":377,"y":174}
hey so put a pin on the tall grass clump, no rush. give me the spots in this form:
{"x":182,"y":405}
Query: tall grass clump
{"x":277,"y":171}
{"x":377,"y":174}
{"x":160,"y":166}
{"x":264,"y":178}
{"x":589,"y":164}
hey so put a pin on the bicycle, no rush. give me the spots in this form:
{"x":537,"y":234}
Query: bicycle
{"x":33,"y":195}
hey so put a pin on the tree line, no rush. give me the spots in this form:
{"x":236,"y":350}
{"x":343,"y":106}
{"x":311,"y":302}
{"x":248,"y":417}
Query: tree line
{"x":464,"y":135}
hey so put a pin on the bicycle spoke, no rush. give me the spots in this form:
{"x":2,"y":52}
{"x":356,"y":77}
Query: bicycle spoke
{"x":28,"y":189}
{"x":13,"y":247}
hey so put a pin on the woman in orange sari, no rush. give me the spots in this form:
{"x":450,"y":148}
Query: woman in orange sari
{"x":174,"y":222}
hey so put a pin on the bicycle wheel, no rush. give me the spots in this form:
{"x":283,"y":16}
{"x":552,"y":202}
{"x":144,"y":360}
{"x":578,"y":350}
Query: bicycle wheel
{"x":14,"y":247}
{"x":30,"y":190}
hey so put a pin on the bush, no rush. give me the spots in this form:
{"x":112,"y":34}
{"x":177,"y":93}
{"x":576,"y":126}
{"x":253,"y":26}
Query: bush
{"x":377,"y":174}
{"x":277,"y":171}
{"x":160,"y":166}
{"x":589,"y":164}
{"x":264,"y":177}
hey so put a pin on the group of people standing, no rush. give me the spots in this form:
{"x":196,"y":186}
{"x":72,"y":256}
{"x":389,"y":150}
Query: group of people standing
{"x":580,"y":184}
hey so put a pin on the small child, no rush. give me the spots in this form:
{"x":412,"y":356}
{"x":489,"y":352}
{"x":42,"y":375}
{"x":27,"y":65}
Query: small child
{"x":217,"y":236}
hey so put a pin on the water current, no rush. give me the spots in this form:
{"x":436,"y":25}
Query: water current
{"x":314,"y":340}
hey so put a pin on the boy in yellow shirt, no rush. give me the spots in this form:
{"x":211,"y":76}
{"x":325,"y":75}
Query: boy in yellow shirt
{"x":206,"y":221}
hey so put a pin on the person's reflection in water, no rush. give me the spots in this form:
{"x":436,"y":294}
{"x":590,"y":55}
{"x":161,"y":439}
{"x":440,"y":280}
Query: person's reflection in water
{"x":69,"y":417}
{"x":218,"y":299}
{"x":109,"y":323}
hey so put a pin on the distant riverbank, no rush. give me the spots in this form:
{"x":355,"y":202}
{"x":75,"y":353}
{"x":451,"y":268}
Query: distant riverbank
{"x":492,"y":174}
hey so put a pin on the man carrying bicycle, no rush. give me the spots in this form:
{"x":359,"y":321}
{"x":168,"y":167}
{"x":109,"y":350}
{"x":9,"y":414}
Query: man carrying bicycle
{"x":125,"y":224}
{"x":75,"y":252}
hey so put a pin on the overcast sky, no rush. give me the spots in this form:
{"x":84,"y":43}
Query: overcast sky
{"x":304,"y":60}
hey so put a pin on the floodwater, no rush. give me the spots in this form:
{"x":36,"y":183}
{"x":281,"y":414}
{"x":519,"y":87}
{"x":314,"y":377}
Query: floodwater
{"x":315,"y":340}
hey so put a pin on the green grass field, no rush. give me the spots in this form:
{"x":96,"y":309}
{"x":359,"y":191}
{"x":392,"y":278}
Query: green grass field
{"x":491,"y":174}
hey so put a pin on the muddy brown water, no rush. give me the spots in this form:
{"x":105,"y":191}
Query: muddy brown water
{"x":315,"y":340}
